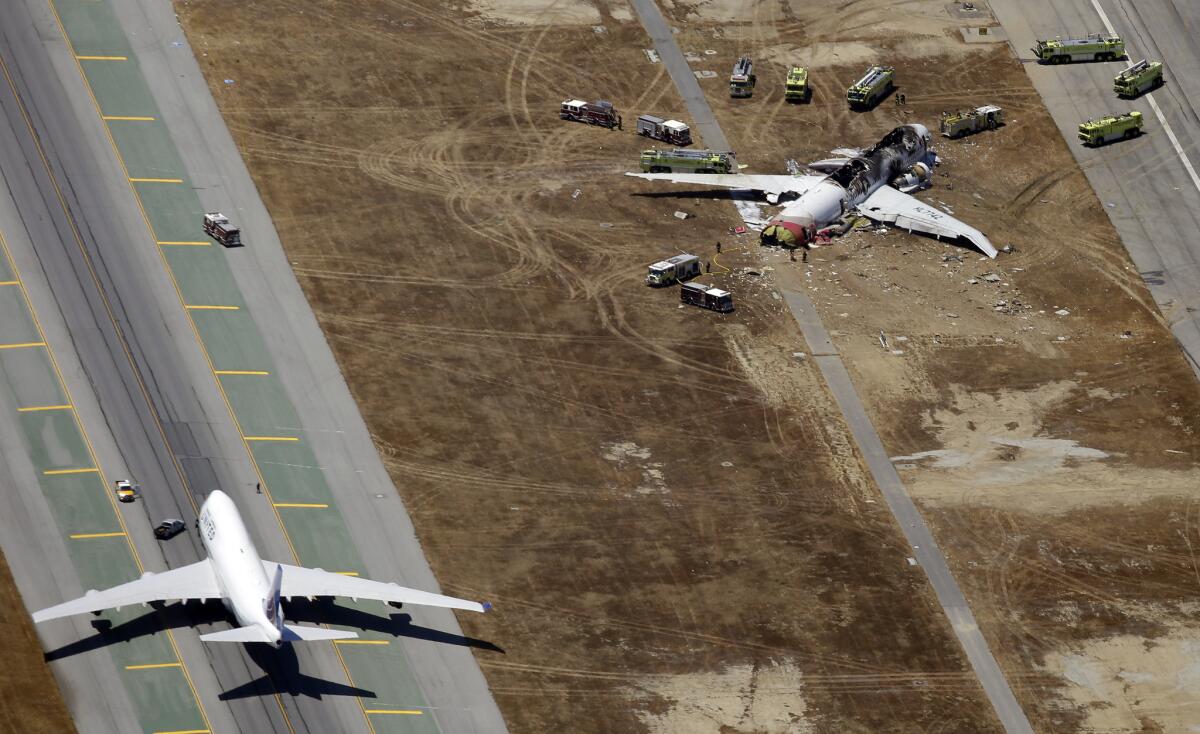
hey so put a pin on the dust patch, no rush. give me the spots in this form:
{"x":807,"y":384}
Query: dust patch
{"x":537,"y":12}
{"x":627,"y":453}
{"x":853,"y":53}
{"x":741,"y":698}
{"x":994,"y":452}
{"x":991,"y":439}
{"x":1129,"y":683}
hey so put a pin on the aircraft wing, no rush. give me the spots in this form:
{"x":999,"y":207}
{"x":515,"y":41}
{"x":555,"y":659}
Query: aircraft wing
{"x":299,"y":581}
{"x":889,"y":205}
{"x":196,"y":581}
{"x":768,"y":184}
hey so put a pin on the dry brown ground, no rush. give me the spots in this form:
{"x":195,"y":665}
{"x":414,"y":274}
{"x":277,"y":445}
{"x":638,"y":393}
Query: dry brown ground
{"x":1054,"y":454}
{"x":665,"y":502}
{"x":30,"y":702}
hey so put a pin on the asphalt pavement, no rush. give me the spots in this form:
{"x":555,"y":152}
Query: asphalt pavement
{"x":1148,"y":186}
{"x":146,"y":396}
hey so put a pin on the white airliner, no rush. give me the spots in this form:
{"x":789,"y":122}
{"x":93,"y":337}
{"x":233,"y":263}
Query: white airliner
{"x":876,"y":183}
{"x":250,"y":587}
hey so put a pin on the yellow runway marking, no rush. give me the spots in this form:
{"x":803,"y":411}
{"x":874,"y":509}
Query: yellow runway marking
{"x":86,"y":536}
{"x":152,"y":666}
{"x":52,"y":472}
{"x":309,"y":505}
{"x":103,"y":58}
{"x":123,"y":118}
{"x":10,"y":282}
{"x":406,"y":712}
{"x":192,"y":307}
{"x":36,"y":408}
{"x":363,"y":642}
{"x":184,"y":243}
{"x":157,"y":180}
{"x":270,"y":438}
{"x":240,"y":372}
{"x":22,"y":345}
{"x":185,"y":731}
{"x":346,"y":573}
{"x":41,"y":332}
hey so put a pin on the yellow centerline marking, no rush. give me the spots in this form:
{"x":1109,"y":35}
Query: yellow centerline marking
{"x":22,"y":345}
{"x":309,"y":505}
{"x":346,"y":573}
{"x":202,"y":307}
{"x":152,"y":666}
{"x":270,"y":438}
{"x":36,"y":408}
{"x":102,"y":58}
{"x":52,"y":472}
{"x":157,"y":180}
{"x":42,"y":334}
{"x":406,"y":712}
{"x":86,"y":536}
{"x":363,"y":642}
{"x":126,"y":118}
{"x":183,"y":243}
{"x":240,"y":372}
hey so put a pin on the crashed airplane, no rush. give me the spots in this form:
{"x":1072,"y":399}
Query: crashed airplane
{"x":876,"y":183}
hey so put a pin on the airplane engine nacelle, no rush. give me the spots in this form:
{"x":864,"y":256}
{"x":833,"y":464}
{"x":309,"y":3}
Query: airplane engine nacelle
{"x":915,"y":179}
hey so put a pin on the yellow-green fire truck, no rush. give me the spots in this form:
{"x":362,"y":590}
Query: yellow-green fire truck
{"x":797,"y":85}
{"x":1111,"y":127}
{"x":1138,"y":78}
{"x":874,"y":86}
{"x":1095,"y":47}
{"x":687,"y":161}
{"x":742,"y":80}
{"x":957,"y":124}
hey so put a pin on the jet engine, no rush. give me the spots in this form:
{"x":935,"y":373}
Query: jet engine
{"x":916,"y":178}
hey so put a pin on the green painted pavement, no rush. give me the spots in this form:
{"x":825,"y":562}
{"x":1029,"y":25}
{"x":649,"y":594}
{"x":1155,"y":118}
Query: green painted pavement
{"x":81,"y":505}
{"x":28,"y":377}
{"x":19,"y":327}
{"x":319,"y":536}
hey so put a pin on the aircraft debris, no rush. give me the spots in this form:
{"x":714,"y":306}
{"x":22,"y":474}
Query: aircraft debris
{"x":874,"y":183}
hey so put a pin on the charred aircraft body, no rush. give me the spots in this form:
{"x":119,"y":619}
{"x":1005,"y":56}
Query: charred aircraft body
{"x":876,"y":183}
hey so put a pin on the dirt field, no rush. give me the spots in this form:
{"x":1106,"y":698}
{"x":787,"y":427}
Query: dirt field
{"x":664,"y":502}
{"x":30,"y":701}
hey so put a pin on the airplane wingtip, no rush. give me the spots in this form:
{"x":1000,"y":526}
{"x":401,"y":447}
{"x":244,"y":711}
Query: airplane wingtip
{"x":487,"y":607}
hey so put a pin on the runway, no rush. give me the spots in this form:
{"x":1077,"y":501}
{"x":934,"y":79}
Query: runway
{"x":1148,"y":185}
{"x":139,"y":366}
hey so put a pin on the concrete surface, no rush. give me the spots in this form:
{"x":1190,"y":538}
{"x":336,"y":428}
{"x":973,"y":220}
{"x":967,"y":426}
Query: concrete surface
{"x":159,"y":402}
{"x":1149,"y":185}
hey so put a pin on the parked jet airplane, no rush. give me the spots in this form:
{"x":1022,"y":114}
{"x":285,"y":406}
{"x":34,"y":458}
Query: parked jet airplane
{"x":250,"y":587}
{"x":875,"y":182}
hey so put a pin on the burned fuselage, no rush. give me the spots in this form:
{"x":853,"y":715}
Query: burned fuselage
{"x":901,"y":159}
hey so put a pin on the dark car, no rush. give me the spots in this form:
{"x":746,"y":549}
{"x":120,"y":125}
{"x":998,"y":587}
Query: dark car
{"x":168,"y":529}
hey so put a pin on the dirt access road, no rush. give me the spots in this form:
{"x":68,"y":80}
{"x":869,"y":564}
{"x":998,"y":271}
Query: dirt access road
{"x":663,"y":502}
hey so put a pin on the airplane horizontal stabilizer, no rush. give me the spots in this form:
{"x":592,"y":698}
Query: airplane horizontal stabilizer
{"x":237,"y":634}
{"x":295,"y":633}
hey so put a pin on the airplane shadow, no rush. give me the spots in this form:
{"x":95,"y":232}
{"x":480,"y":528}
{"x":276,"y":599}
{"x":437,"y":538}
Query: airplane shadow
{"x":396,"y":625}
{"x":280,"y":665}
{"x":282,"y":674}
